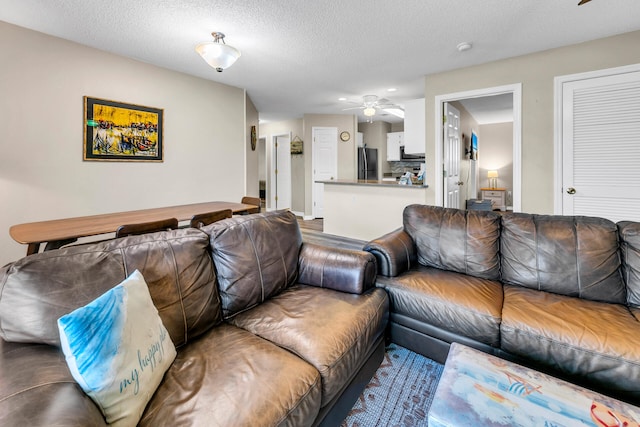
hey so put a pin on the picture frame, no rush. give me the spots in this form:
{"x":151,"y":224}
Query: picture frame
{"x":296,"y":145}
{"x":474,"y":146}
{"x":117,"y":131}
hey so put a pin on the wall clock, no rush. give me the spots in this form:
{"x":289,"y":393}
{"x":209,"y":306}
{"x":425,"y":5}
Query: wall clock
{"x":344,"y":136}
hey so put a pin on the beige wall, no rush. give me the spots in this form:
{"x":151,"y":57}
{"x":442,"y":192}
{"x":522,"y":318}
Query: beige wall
{"x":536,"y":73}
{"x":42,"y":175}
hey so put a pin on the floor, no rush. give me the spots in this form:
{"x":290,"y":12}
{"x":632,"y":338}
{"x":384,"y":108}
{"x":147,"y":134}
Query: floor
{"x":312,"y":224}
{"x":312,"y":233}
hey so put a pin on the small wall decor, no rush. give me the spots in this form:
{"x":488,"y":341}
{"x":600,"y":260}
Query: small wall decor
{"x":296,"y":145}
{"x":254,"y":138}
{"x":114,"y":131}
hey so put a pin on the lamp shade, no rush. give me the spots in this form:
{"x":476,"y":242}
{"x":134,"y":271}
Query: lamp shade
{"x":492,"y":174}
{"x":218,"y":54}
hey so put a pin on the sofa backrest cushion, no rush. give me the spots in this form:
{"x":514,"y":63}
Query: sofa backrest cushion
{"x":629,"y":233}
{"x":255,"y":256}
{"x":455,"y":240}
{"x":36,"y":290}
{"x":568,"y":255}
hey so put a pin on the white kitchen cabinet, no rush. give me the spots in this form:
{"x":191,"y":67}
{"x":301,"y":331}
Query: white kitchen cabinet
{"x":394,"y":141}
{"x":414,"y":126}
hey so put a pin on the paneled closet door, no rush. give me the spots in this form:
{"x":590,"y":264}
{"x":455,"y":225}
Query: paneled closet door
{"x":601,"y":147}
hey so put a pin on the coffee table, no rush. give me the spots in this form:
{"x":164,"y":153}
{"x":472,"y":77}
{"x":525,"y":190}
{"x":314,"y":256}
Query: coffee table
{"x":478,"y":389}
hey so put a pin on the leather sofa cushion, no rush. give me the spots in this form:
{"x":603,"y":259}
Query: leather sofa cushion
{"x":333,"y":331}
{"x":630,"y":249}
{"x":339,"y":269}
{"x":175,"y":264}
{"x":568,"y":255}
{"x":230,"y":377}
{"x":455,"y":240}
{"x":589,"y":339}
{"x":462,"y":304}
{"x":256,"y":257}
{"x":37,"y":389}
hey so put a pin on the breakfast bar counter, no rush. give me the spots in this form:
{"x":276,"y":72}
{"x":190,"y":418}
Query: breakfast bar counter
{"x":372,"y":183}
{"x":364,"y":210}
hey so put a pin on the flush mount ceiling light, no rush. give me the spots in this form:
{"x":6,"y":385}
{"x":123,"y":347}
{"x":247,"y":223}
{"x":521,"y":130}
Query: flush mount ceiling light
{"x":217,"y":53}
{"x":464,"y":46}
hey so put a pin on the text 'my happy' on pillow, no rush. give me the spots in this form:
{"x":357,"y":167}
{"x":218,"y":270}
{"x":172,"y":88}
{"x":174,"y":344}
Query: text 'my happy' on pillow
{"x":118,"y":350}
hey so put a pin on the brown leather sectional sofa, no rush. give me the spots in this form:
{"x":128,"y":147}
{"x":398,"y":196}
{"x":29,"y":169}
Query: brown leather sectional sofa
{"x":269,"y":331}
{"x":559,"y":293}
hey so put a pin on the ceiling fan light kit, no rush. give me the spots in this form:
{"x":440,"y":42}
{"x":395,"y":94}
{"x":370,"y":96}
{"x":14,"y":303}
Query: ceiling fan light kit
{"x":371,"y":103}
{"x":217,"y":53}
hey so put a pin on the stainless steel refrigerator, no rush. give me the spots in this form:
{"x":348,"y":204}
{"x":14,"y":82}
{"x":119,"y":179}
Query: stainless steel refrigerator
{"x":367,"y":163}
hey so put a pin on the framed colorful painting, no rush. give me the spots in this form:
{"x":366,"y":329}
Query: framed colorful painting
{"x":114,"y":131}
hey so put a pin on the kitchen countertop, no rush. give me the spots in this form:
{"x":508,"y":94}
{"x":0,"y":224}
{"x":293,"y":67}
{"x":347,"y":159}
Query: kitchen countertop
{"x":371,"y":183}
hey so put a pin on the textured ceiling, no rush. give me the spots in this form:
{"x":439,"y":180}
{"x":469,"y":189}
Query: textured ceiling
{"x":300,"y":56}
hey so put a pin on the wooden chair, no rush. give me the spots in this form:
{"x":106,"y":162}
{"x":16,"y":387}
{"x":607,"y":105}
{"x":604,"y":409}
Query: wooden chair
{"x":247,"y":200}
{"x":200,"y":220}
{"x":147,"y":227}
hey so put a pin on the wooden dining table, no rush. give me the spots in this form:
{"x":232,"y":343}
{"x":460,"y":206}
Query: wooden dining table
{"x":57,"y":232}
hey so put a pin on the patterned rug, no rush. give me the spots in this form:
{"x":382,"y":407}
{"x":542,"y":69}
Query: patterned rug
{"x":399,"y":394}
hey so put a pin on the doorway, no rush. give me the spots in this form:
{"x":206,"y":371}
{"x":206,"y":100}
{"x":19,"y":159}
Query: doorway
{"x":451,"y":156}
{"x":280,"y":194}
{"x":325,"y":164}
{"x":596,"y":144}
{"x":516,"y":92}
{"x":262,"y":170}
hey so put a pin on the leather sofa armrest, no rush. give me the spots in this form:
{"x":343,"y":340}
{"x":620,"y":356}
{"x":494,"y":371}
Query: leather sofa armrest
{"x":37,"y":389}
{"x":342,"y":270}
{"x":395,"y":252}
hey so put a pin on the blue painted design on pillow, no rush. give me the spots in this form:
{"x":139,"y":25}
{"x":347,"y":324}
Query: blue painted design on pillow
{"x":105,"y":317}
{"x":118,"y":350}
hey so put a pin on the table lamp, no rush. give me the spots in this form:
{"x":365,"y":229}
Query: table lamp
{"x":493,"y":178}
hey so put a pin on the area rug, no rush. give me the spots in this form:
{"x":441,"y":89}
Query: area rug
{"x":399,"y":394}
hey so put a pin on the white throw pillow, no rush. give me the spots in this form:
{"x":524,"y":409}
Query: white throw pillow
{"x":118,"y":350}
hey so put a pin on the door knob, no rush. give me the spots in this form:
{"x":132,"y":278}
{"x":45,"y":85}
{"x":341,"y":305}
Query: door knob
{"x":460,"y":183}
{"x":331,"y":178}
{"x":571,"y":190}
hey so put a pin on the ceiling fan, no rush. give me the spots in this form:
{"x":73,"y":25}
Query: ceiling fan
{"x":371,"y":103}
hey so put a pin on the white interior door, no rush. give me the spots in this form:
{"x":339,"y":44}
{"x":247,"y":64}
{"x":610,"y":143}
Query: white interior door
{"x":325,"y":164}
{"x":601,"y":147}
{"x":451,"y":157}
{"x":281,"y":177}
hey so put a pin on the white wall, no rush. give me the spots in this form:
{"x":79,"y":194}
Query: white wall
{"x":42,"y":175}
{"x":366,"y":212}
